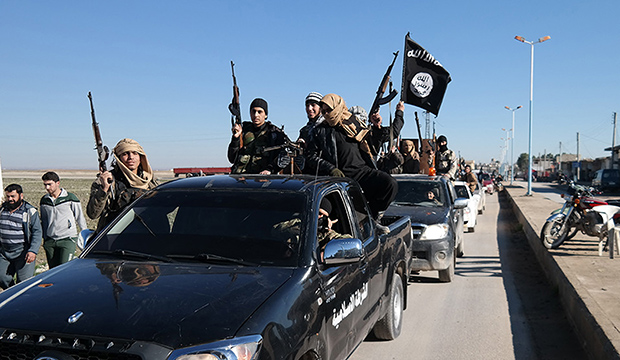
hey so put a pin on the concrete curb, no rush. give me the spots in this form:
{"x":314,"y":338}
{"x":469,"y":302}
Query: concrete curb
{"x":585,"y":314}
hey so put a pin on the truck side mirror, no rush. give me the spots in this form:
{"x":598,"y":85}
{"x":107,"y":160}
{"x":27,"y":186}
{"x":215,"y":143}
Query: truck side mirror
{"x":83,"y":238}
{"x":461,"y":203}
{"x":343,"y":251}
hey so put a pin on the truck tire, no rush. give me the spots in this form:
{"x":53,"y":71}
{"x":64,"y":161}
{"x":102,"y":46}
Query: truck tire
{"x":389,"y":327}
{"x":460,"y":250}
{"x":447,"y":275}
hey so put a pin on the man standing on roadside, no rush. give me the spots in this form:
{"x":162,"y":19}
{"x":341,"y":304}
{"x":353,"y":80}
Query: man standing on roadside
{"x":20,"y":237}
{"x":61,"y":214}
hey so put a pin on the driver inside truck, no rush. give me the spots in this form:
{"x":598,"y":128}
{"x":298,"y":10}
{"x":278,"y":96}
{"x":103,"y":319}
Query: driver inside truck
{"x":432,"y":196}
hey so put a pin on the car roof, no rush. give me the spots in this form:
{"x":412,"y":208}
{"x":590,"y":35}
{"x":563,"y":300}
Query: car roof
{"x":300,"y":183}
{"x":407,"y":177}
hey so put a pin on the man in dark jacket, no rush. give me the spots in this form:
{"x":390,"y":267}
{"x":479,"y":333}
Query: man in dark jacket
{"x":411,"y":163}
{"x":338,"y":148}
{"x":381,"y":134}
{"x":249,"y":139}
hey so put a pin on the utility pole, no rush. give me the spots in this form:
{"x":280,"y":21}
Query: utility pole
{"x":613,"y":142}
{"x":578,"y":158}
{"x":560,"y":160}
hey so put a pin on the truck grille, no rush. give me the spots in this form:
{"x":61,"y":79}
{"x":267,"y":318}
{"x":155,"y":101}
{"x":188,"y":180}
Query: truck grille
{"x":21,"y":345}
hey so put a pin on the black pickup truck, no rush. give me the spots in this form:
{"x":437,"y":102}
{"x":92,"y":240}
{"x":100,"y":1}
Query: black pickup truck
{"x":223,"y":268}
{"x":436,"y":219}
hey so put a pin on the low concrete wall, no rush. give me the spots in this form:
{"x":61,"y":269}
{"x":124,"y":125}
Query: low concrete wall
{"x":585,"y":314}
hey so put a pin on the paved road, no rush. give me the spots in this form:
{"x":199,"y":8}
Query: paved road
{"x":498,"y":307}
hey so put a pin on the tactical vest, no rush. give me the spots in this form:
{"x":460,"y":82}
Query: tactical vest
{"x":251,"y":159}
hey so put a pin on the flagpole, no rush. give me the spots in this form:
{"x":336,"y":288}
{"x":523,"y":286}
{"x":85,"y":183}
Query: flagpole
{"x":529,"y":166}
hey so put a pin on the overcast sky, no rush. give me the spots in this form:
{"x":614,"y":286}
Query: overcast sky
{"x":159,"y":72}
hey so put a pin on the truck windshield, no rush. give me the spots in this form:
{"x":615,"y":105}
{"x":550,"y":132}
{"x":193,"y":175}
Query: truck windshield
{"x":420,"y":193}
{"x":253,"y":227}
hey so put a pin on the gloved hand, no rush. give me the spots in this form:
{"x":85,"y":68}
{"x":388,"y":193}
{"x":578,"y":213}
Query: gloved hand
{"x":336,"y":172}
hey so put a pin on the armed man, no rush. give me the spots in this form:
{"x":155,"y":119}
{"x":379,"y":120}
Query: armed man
{"x":339,"y":148}
{"x":249,"y":139}
{"x":445,"y":159}
{"x":131,"y":176}
{"x":313,"y":111}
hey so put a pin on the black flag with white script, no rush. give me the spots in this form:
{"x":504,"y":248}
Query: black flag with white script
{"x":424,"y":79}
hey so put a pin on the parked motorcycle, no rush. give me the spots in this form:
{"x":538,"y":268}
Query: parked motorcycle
{"x":576,"y":214}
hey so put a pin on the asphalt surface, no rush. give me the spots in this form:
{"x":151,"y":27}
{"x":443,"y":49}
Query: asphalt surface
{"x":499,"y":306}
{"x":588,"y":285}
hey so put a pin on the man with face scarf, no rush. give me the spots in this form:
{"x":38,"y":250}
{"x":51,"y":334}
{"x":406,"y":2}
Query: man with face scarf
{"x":339,"y":148}
{"x":411,"y":163}
{"x":445,"y":159}
{"x":131,"y":176}
{"x":20,"y":237}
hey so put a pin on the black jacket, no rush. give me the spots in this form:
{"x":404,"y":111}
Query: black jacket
{"x":322,"y":151}
{"x":380,"y":135}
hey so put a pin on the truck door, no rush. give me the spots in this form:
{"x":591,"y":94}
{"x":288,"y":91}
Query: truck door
{"x":344,"y":288}
{"x":373,"y":265}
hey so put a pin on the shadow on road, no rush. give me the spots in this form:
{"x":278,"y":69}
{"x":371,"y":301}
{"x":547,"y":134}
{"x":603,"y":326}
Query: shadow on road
{"x":538,"y":321}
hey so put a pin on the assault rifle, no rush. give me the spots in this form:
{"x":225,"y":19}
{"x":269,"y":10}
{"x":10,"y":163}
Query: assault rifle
{"x":102,"y":151}
{"x":290,"y":156}
{"x":417,"y":122}
{"x":379,"y":99}
{"x":234,"y":107}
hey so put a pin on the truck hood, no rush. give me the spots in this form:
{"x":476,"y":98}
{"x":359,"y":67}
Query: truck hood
{"x":421,"y":214}
{"x":173,"y":304}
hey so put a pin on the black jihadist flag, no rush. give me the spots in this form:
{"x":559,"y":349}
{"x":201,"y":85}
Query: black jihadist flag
{"x":424,"y":79}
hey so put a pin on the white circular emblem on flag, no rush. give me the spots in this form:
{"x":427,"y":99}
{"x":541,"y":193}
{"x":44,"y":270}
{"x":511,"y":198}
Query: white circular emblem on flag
{"x":421,"y":84}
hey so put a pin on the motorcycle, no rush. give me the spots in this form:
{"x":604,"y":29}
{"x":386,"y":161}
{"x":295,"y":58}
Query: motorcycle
{"x":497,"y":183}
{"x":577,"y":214}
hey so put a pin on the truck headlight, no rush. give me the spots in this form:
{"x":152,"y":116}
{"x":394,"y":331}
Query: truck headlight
{"x":241,"y":348}
{"x":435,"y":232}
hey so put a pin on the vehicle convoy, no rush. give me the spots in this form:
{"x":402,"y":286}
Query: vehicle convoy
{"x":436,"y":221}
{"x":470,"y":212}
{"x":223,"y":268}
{"x":577,"y":214}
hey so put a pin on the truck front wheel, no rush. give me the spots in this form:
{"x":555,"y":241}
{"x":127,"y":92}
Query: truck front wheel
{"x":389,"y":327}
{"x":447,"y":275}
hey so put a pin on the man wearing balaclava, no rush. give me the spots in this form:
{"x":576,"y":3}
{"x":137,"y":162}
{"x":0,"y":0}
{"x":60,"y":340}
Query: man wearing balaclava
{"x":339,"y":148}
{"x":131,"y":176}
{"x":445,"y":159}
{"x":245,"y":150}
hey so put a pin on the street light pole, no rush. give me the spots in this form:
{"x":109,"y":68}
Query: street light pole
{"x":529,"y":167}
{"x":512,"y":143}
